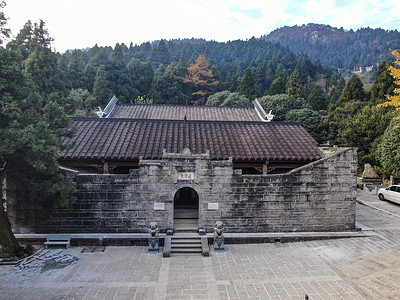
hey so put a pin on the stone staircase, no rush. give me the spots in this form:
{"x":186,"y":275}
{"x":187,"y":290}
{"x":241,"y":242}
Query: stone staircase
{"x":186,"y":244}
{"x":186,"y":240}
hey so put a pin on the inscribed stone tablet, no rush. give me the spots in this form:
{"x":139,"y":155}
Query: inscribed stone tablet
{"x":186,"y":176}
{"x":213,"y":206}
{"x":159,"y":206}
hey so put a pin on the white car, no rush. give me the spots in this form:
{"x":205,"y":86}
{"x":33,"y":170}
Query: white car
{"x":391,"y":193}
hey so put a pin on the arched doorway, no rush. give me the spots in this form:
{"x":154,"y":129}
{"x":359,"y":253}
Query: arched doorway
{"x":186,"y":209}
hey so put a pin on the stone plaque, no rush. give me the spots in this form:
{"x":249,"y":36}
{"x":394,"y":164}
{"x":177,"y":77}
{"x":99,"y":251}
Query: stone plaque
{"x":159,"y":206}
{"x":212,"y":206}
{"x":186,"y":176}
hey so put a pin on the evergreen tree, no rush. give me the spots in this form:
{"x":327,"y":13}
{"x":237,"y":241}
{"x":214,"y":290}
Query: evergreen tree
{"x":4,"y":32}
{"x":354,"y":90}
{"x":99,"y":59}
{"x":309,"y":119}
{"x":218,"y":98}
{"x":76,"y":70}
{"x":305,"y":68}
{"x":334,"y":96}
{"x":389,"y":148}
{"x":160,"y":54}
{"x":80,"y":103}
{"x":101,"y":88}
{"x":341,"y":84}
{"x":226,"y":98}
{"x":280,"y":105}
{"x":277,"y":87}
{"x":338,"y":119}
{"x":118,"y":76}
{"x":31,"y":128}
{"x":41,"y":65}
{"x":363,"y":130}
{"x":295,"y":89}
{"x":141,"y":75}
{"x":22,"y":41}
{"x":247,"y":86}
{"x":233,"y":83}
{"x":317,"y":98}
{"x":167,"y":90}
{"x":261,"y":79}
{"x":383,"y":84}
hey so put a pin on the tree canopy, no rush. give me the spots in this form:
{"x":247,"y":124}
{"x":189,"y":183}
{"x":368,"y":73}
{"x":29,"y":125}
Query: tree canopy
{"x":389,"y":150}
{"x":227,"y":98}
{"x":32,"y":122}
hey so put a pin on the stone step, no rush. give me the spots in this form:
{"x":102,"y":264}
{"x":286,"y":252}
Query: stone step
{"x":188,"y":244}
{"x":186,"y":250}
{"x":185,"y":244}
{"x":185,"y":241}
{"x":176,"y":246}
{"x":186,"y":229}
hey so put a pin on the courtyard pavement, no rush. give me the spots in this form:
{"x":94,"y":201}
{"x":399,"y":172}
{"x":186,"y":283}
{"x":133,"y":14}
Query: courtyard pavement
{"x":351,"y":268}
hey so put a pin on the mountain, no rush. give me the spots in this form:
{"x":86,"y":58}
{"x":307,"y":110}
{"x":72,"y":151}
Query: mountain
{"x":336,"y":47}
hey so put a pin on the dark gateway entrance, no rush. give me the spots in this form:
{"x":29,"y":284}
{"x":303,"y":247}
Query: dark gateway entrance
{"x":186,"y":209}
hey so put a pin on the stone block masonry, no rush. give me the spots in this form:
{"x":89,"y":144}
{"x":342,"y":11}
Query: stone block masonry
{"x":320,"y":196}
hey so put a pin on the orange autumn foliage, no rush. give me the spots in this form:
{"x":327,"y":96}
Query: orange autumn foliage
{"x":394,"y":100}
{"x":202,"y":78}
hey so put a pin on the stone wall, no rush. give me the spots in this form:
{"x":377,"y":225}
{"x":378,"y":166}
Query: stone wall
{"x":320,"y":196}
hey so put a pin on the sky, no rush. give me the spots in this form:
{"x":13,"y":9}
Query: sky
{"x":77,"y":24}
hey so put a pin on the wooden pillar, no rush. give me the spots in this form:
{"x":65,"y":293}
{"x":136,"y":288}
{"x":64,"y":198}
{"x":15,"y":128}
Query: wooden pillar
{"x":265,"y":169}
{"x":105,"y":168}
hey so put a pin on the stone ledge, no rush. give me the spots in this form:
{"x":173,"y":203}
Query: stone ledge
{"x":138,"y":239}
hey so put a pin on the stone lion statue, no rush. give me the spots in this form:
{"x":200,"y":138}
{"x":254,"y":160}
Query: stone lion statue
{"x":154,"y":237}
{"x":219,"y":235}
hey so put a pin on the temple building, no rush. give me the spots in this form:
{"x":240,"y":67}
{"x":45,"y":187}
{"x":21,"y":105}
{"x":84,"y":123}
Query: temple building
{"x":190,"y":166}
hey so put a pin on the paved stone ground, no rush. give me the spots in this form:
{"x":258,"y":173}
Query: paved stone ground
{"x":356,"y":268}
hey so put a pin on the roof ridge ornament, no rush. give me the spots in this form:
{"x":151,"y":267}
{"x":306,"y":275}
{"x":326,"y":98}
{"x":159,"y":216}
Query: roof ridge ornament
{"x":270,"y":116}
{"x":262,"y":113}
{"x":108,"y":110}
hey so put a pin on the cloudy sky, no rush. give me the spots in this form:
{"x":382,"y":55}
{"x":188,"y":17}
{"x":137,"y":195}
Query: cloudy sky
{"x":83,"y":23}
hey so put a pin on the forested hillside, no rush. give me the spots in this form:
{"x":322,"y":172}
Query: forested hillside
{"x":338,"y":48}
{"x":157,"y":70}
{"x":198,"y":72}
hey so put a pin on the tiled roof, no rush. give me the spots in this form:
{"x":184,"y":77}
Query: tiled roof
{"x":126,"y":139}
{"x":178,"y":112}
